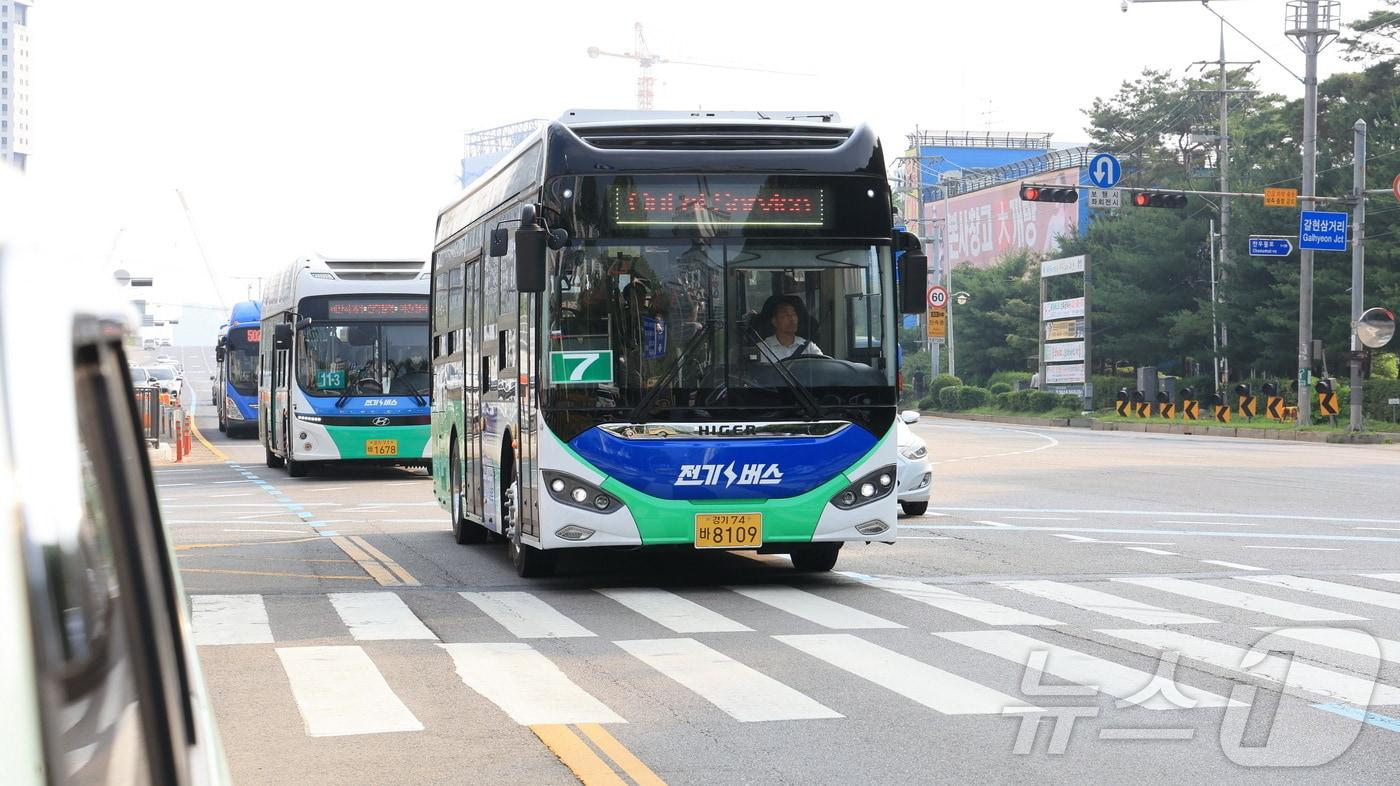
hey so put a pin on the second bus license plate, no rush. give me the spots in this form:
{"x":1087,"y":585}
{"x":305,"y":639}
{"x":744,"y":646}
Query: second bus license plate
{"x":728,"y":530}
{"x":382,"y":447}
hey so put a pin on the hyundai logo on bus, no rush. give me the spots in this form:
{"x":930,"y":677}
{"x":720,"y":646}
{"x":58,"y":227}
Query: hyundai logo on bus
{"x":380,"y":421}
{"x":748,"y":475}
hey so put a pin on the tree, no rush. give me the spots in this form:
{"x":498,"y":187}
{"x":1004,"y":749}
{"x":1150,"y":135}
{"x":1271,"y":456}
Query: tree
{"x":996,"y":329}
{"x":1377,"y":36}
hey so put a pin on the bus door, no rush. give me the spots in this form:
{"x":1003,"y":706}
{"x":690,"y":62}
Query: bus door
{"x":471,"y":388}
{"x":278,"y":422}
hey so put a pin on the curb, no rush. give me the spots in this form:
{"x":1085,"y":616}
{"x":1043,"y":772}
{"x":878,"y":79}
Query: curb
{"x":1285,"y":435}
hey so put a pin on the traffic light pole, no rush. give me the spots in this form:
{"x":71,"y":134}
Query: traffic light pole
{"x":1358,"y":265}
{"x":1311,"y":40}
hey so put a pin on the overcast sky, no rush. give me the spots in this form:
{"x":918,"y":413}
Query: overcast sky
{"x":335,"y":126}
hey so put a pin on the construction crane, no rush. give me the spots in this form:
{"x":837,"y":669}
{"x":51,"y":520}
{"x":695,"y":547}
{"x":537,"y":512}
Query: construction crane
{"x":646,"y":59}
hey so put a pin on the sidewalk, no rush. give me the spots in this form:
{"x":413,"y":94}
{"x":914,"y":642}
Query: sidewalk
{"x":1200,"y":429}
{"x":201,"y":452}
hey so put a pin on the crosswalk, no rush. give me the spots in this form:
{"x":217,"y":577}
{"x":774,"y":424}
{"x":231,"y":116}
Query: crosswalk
{"x":780,"y":653}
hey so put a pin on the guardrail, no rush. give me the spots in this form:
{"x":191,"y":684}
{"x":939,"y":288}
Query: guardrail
{"x":148,"y":404}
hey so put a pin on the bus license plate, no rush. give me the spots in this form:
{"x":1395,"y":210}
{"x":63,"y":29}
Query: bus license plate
{"x":728,"y":530}
{"x":382,"y":447}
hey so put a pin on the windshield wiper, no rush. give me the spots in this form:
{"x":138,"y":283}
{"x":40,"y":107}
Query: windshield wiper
{"x":342,"y":401}
{"x":641,"y":409}
{"x":814,"y":410}
{"x":417,"y":395}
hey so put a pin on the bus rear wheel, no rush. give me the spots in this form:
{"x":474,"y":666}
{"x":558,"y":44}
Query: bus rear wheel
{"x":463,"y":531}
{"x":816,"y":558}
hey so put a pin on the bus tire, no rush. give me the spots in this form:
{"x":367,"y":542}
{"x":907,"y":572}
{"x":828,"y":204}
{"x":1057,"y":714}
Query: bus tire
{"x":816,"y":558}
{"x":530,"y":562}
{"x":297,"y":469}
{"x":914,"y":508}
{"x":223,"y":425}
{"x":465,"y":532}
{"x":273,"y":461}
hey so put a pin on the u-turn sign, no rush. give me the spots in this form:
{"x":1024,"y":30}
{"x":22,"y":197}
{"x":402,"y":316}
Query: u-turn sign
{"x":1105,"y":171}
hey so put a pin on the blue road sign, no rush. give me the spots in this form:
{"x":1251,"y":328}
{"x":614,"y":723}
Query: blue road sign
{"x":1322,"y":231}
{"x":1270,"y":246}
{"x":1104,"y":170}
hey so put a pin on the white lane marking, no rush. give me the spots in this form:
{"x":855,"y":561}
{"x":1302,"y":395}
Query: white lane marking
{"x":251,"y":505}
{"x":1331,"y":589}
{"x":1240,"y":600}
{"x":1289,"y":672}
{"x":930,"y":686}
{"x":995,"y":523}
{"x":672,"y":611}
{"x":1214,"y":523}
{"x":745,"y":694}
{"x":1158,"y":552}
{"x":278,"y":531}
{"x":260,"y":515}
{"x":324,"y":488}
{"x":1216,"y":514}
{"x":1136,"y":543}
{"x":1036,"y":518}
{"x":1379,"y":529}
{"x":230,"y":619}
{"x":171,"y":486}
{"x":526,"y":685}
{"x":1357,"y":642}
{"x":1114,"y":679}
{"x":526,"y":616}
{"x":1049,"y":439}
{"x":1383,"y":576}
{"x":340,"y":692}
{"x":235,"y":494}
{"x":814,"y":608}
{"x":376,"y":616}
{"x":963,"y":605}
{"x":1103,"y":603}
{"x":1237,"y":566}
{"x":1291,"y":548}
{"x":1075,"y":538}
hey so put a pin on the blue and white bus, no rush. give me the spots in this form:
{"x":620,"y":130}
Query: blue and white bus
{"x":344,"y":364}
{"x":236,"y":379}
{"x":690,"y":342}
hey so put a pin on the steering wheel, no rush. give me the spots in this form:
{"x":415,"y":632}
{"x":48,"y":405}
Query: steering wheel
{"x":805,"y":354}
{"x":368,"y":386}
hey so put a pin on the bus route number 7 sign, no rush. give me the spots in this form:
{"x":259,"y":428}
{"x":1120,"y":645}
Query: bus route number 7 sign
{"x":591,"y":367}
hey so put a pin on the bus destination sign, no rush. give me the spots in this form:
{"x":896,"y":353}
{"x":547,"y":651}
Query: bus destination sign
{"x":377,"y":309}
{"x":666,"y":206}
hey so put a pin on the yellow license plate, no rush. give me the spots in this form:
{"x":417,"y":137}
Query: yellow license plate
{"x":728,"y":530}
{"x":382,"y":447}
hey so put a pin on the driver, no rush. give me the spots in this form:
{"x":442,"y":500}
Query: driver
{"x":784,"y":343}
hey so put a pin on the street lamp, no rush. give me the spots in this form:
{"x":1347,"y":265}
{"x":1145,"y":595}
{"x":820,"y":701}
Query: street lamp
{"x":961,"y":299}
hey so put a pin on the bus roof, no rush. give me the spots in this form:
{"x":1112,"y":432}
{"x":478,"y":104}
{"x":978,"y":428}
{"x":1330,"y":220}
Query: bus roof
{"x":318,"y":275}
{"x":246,"y":312}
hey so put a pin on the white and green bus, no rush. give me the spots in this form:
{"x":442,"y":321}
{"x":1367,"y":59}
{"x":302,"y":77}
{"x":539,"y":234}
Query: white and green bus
{"x":343,"y":372}
{"x":672,"y":330}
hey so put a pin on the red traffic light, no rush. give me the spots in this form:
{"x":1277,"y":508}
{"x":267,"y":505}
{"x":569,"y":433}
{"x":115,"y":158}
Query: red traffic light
{"x":1159,"y":199}
{"x":1049,"y":194}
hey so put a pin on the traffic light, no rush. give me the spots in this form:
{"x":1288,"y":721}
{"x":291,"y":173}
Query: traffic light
{"x":1049,"y":194}
{"x":1158,"y":199}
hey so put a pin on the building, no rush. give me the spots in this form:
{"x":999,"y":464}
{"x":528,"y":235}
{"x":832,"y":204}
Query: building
{"x":963,"y":189}
{"x":14,"y":81}
{"x":482,"y":149}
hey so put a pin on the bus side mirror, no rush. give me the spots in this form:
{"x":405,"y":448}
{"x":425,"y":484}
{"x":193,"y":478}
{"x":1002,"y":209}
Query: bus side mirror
{"x":500,"y":242}
{"x":530,"y":244}
{"x":913,"y":273}
{"x":282,"y":336}
{"x":219,"y":353}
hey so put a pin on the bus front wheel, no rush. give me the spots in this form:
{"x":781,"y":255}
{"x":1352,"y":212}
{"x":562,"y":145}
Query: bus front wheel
{"x":816,"y":558}
{"x":529,"y":561}
{"x":273,"y":462}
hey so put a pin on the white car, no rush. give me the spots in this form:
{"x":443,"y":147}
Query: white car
{"x":915,"y":474}
{"x":167,"y":378}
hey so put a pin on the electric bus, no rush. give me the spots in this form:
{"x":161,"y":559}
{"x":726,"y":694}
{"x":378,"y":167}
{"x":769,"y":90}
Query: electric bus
{"x":344,"y":370}
{"x":617,"y":308}
{"x":236,"y":378}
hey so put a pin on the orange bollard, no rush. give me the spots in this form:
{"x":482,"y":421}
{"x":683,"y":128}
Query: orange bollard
{"x":179,"y":441}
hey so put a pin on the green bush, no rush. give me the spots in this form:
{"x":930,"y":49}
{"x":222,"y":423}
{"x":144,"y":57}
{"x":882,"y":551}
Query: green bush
{"x":1385,"y":365}
{"x":1375,"y":393}
{"x":960,"y":397}
{"x":1003,"y":400}
{"x":939,"y":382}
{"x":927,"y":402}
{"x":1009,"y":378}
{"x":1106,"y":389}
{"x":1070,"y":401}
{"x":1019,"y":400}
{"x":997,"y":388}
{"x":1040,"y":401}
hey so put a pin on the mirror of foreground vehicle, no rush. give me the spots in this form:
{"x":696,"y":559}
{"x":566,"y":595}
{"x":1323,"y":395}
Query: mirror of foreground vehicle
{"x":98,"y":674}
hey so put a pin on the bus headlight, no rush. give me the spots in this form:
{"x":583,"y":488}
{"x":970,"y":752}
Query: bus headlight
{"x":913,"y":452}
{"x":876,"y":485}
{"x":579,"y":493}
{"x":231,"y":411}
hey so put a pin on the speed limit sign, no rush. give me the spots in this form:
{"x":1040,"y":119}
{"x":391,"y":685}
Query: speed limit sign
{"x":937,"y":297}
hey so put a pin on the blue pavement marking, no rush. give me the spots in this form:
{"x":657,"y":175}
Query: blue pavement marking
{"x":306,"y":514}
{"x":329,"y":534}
{"x":1356,"y":713}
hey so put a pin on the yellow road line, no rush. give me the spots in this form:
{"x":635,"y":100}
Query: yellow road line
{"x":575,"y":754}
{"x":262,"y":559}
{"x":627,"y":760}
{"x":188,"y":546}
{"x":376,"y":571}
{"x":404,"y":576}
{"x":218,"y":454}
{"x":266,"y":573}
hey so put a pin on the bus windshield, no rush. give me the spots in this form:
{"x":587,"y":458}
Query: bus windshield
{"x":363,"y":359}
{"x":723,"y":324}
{"x":241,"y":357}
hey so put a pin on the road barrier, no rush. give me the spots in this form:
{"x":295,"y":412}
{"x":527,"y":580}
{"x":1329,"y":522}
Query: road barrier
{"x":148,"y":405}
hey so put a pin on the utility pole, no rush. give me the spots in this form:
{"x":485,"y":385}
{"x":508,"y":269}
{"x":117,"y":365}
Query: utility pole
{"x":1308,"y":28}
{"x":1358,"y":263}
